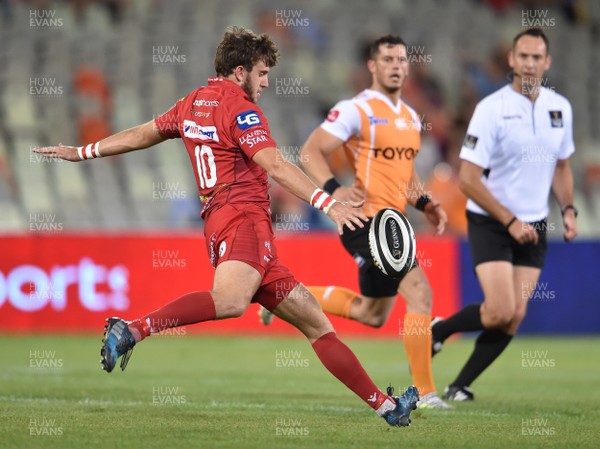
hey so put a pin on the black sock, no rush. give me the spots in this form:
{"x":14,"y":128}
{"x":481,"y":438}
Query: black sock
{"x":465,"y":320}
{"x":488,"y":347}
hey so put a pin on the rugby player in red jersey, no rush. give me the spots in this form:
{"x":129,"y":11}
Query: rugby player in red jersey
{"x":232,"y":153}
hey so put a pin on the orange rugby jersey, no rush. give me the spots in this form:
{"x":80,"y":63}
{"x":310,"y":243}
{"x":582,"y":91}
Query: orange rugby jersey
{"x":381,"y":141}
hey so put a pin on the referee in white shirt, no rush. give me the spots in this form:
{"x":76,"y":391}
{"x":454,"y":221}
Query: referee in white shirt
{"x":516,"y":149}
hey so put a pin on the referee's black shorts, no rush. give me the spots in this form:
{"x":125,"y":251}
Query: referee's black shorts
{"x":372,"y":281}
{"x":490,"y":241}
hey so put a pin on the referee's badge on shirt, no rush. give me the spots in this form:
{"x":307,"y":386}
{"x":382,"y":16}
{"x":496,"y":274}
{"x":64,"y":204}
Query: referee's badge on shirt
{"x":556,"y":119}
{"x":470,"y":141}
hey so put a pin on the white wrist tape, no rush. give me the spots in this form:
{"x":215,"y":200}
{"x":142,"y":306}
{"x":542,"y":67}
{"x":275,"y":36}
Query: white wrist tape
{"x":321,"y":200}
{"x":90,"y":151}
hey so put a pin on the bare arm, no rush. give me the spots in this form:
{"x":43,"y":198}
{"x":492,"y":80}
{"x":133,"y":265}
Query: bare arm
{"x":136,"y":138}
{"x":296,"y":182}
{"x":319,"y":144}
{"x":470,"y":183}
{"x":433,"y":210}
{"x":562,"y":186}
{"x":314,"y":162}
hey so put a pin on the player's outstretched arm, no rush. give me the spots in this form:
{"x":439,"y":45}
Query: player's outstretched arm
{"x":313,"y":158}
{"x":136,"y":138}
{"x":296,"y":182}
{"x":433,"y":210}
{"x":562,"y":186}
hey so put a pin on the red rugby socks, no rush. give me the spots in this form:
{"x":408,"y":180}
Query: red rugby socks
{"x":343,"y":364}
{"x":191,"y":308}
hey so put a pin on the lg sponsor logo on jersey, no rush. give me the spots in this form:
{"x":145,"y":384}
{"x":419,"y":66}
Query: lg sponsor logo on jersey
{"x":247,"y":119}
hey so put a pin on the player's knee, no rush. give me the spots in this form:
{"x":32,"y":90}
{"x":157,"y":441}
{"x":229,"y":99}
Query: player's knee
{"x":498,"y":318}
{"x":321,"y":328}
{"x":233,"y":310}
{"x":229,"y":306}
{"x":497,"y":312}
{"x":518,"y":317}
{"x":314,"y":326}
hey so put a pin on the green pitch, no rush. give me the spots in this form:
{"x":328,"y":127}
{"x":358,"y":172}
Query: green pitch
{"x":246,"y":392}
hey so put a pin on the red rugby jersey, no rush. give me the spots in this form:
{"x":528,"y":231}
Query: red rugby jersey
{"x":222,"y":129}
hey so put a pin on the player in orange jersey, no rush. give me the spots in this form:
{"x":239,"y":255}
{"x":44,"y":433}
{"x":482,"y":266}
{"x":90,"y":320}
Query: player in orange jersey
{"x":380,"y":135}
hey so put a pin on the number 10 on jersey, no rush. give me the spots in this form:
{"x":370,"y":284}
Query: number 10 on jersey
{"x":207,"y":170}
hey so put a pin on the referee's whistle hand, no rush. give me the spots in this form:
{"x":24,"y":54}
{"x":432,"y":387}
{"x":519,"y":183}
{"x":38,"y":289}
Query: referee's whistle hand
{"x":523,"y":233}
{"x":570,"y":224}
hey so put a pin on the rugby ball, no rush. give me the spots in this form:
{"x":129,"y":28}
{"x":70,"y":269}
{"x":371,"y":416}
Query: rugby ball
{"x":392,"y":242}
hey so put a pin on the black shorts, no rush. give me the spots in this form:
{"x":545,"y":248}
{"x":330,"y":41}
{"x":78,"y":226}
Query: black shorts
{"x":373,"y":282}
{"x":490,"y":241}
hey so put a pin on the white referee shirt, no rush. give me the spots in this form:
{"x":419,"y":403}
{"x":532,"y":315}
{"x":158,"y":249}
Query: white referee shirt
{"x":518,"y":142}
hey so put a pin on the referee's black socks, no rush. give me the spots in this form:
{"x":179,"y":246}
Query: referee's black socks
{"x":466,"y":320}
{"x":488,"y":347}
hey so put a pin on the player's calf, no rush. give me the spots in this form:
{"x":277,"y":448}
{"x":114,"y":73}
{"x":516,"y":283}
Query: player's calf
{"x":372,"y":320}
{"x":300,"y":308}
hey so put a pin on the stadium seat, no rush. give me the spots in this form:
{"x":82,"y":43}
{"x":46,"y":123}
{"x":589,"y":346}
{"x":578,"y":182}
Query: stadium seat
{"x":11,"y":218}
{"x":323,"y":56}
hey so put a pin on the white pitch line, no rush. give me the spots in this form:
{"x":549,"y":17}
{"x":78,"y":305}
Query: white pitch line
{"x":86,"y":401}
{"x":224,"y":404}
{"x":471,"y":413}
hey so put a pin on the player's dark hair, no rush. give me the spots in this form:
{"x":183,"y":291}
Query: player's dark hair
{"x":241,"y":46}
{"x":535,"y":32}
{"x":388,"y":40}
